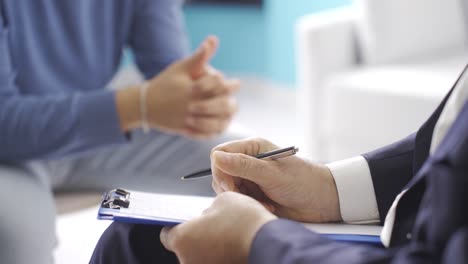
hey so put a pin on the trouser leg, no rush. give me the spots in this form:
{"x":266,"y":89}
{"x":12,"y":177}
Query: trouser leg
{"x":124,"y":243}
{"x":27,"y":218}
{"x":153,"y":162}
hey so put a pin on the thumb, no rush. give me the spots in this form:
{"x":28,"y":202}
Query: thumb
{"x":166,"y":238}
{"x":242,"y":166}
{"x":196,"y":64}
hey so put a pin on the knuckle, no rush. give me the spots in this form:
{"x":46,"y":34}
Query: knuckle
{"x":194,"y":124}
{"x":258,"y":140}
{"x":218,"y":78}
{"x":262,"y":143}
{"x":244,"y":163}
{"x":262,"y":140}
{"x":202,"y":107}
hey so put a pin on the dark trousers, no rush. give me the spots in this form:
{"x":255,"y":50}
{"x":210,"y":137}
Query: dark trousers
{"x":124,"y":243}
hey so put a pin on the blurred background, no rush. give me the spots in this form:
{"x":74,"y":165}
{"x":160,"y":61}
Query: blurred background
{"x":258,"y":45}
{"x":336,"y":78}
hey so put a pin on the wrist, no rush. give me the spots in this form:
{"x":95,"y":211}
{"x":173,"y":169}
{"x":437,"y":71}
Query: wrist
{"x":128,"y":101}
{"x":252,"y":230}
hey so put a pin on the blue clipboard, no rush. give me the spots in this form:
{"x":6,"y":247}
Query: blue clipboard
{"x":150,"y":208}
{"x":145,"y":208}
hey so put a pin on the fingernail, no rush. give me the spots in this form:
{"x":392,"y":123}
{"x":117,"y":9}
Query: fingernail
{"x":224,"y":186}
{"x":222,"y":156}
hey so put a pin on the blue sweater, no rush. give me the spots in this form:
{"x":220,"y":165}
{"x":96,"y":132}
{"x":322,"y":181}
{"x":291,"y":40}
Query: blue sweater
{"x":56,"y":57}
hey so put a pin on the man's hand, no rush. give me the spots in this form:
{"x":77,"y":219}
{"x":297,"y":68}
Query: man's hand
{"x":189,"y":97}
{"x":223,"y":234}
{"x":290,"y":187}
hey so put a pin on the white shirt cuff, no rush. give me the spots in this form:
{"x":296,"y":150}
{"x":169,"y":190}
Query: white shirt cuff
{"x":355,"y":190}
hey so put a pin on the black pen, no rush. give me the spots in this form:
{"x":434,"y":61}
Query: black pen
{"x":274,"y":154}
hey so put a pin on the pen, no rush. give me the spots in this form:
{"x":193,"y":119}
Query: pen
{"x":274,"y":154}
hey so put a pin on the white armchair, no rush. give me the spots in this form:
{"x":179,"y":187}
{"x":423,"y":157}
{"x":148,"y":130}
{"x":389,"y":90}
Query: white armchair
{"x":371,"y":73}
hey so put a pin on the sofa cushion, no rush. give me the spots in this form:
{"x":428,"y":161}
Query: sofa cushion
{"x":392,"y":30}
{"x":372,"y":106}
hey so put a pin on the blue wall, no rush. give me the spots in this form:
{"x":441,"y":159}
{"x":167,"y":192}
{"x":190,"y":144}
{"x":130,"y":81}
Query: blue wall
{"x":281,"y":16}
{"x":241,"y":31}
{"x":254,"y":40}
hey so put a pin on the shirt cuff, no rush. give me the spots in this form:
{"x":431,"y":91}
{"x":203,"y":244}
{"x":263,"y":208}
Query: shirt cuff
{"x":355,"y":190}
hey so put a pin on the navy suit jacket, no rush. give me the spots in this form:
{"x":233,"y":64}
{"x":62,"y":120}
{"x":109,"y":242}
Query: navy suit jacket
{"x":431,"y":223}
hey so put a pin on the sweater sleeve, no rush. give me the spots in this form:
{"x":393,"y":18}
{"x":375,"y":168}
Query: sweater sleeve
{"x":48,"y":126}
{"x":158,"y":35}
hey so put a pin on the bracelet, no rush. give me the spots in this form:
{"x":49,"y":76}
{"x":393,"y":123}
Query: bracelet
{"x":143,"y":110}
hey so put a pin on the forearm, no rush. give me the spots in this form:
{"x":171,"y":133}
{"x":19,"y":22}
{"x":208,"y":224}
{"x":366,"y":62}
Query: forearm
{"x":43,"y":127}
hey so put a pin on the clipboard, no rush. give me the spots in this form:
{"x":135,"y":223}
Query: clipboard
{"x":169,"y":210}
{"x":151,"y":208}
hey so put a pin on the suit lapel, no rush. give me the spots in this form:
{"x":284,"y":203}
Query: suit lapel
{"x":408,"y":206}
{"x":424,"y":135}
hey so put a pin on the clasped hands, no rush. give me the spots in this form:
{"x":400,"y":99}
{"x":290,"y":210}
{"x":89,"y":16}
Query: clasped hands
{"x":188,"y":98}
{"x":251,"y":193}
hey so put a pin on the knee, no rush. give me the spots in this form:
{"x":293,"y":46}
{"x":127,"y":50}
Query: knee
{"x":27,"y":221}
{"x":113,"y":246}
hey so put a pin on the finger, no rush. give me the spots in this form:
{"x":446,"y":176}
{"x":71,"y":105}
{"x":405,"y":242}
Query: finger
{"x":253,"y":190}
{"x":215,"y":84}
{"x":224,"y":105}
{"x":165,"y":237}
{"x":209,"y":84}
{"x":243,"y":166}
{"x":248,"y":146}
{"x":224,"y":183}
{"x":197,"y":63}
{"x":217,"y":187}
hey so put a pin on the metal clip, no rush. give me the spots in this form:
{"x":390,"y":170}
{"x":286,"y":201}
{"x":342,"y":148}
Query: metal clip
{"x":116,"y":199}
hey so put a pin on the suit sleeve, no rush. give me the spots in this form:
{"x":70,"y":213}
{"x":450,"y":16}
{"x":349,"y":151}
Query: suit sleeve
{"x":287,"y":242}
{"x":391,"y":169}
{"x":158,"y":35}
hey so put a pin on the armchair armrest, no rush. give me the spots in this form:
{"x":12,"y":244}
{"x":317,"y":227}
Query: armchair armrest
{"x":325,"y":45}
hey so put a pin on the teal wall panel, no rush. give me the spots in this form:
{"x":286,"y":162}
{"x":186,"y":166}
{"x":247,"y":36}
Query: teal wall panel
{"x":280,"y":18}
{"x":241,"y":31}
{"x":253,"y":40}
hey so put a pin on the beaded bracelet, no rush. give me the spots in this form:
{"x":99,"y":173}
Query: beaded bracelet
{"x":143,"y":108}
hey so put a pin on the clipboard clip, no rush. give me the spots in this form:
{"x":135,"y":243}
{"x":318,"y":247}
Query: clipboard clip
{"x":116,"y":199}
